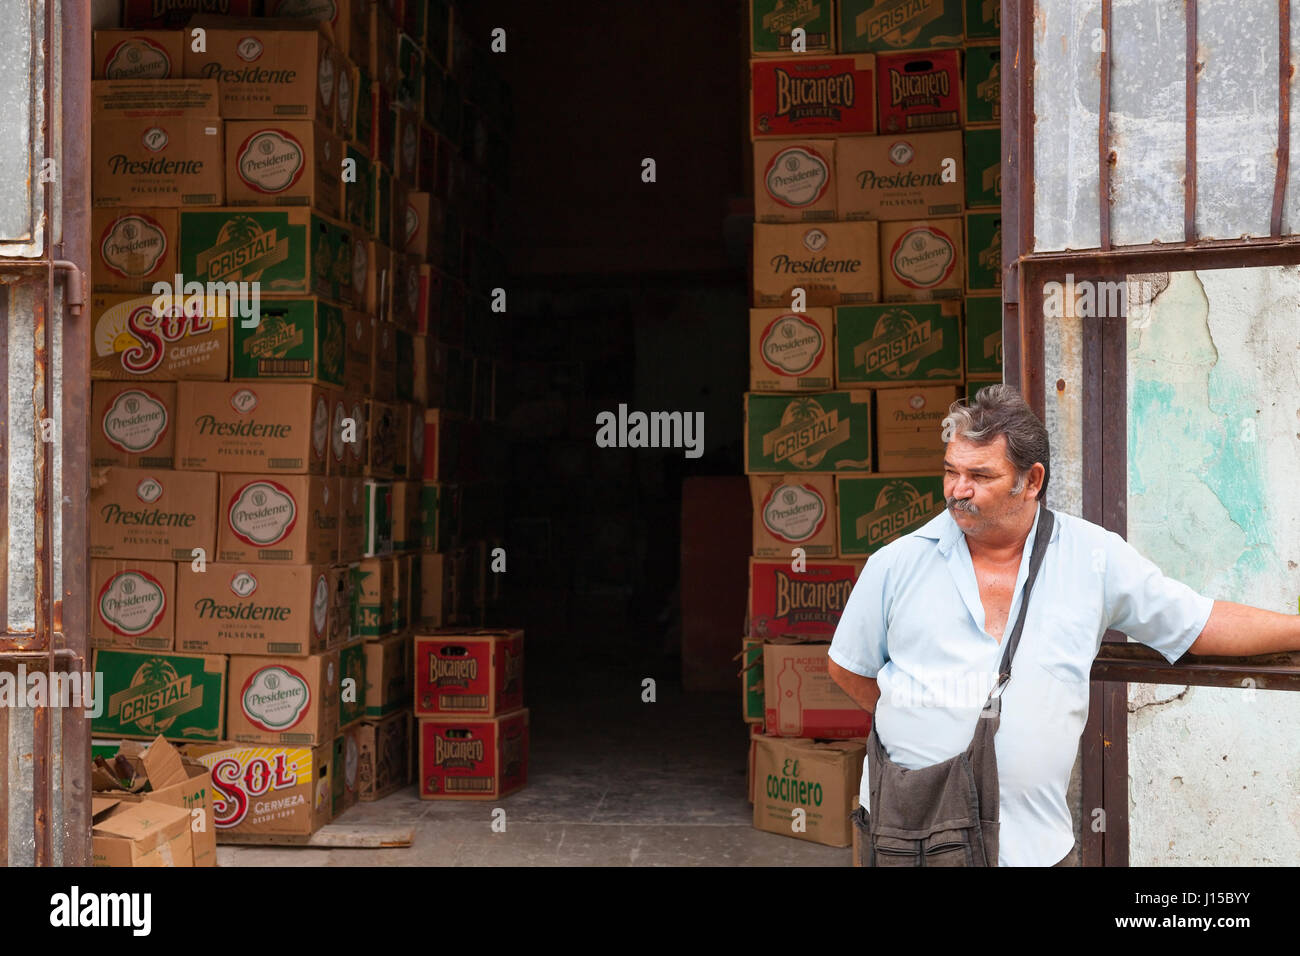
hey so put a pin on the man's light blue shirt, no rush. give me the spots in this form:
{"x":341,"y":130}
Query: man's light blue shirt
{"x":915,"y":622}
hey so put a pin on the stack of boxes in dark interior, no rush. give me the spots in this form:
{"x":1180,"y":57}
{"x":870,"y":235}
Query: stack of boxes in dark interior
{"x":877,"y":192}
{"x":292,"y":455}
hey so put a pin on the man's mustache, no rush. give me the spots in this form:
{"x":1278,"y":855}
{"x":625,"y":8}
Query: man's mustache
{"x":962,"y":504}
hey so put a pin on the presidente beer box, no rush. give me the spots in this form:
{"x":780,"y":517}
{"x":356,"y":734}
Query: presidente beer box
{"x":819,"y":777}
{"x":890,"y":344}
{"x":790,"y":351}
{"x":139,"y":54}
{"x":254,"y":609}
{"x":293,"y":519}
{"x":874,"y":511}
{"x":771,"y":23}
{"x":909,"y":427}
{"x":826,"y":431}
{"x":131,"y":341}
{"x":147,"y":693}
{"x":835,"y":263}
{"x":468,"y":758}
{"x":267,"y":790}
{"x":983,"y":167}
{"x":283,"y":163}
{"x":794,"y":180}
{"x":983,"y":252}
{"x":889,"y":25}
{"x":793,"y":511}
{"x":801,"y":700}
{"x":156,"y":143}
{"x":899,"y":176}
{"x":806,"y":603}
{"x":134,"y":604}
{"x":175,"y":13}
{"x":152,"y":514}
{"x":919,"y":91}
{"x":469,"y":671}
{"x":253,"y":427}
{"x":296,"y":339}
{"x":983,"y":19}
{"x":983,"y":85}
{"x":133,"y":425}
{"x":984,"y":337}
{"x":389,"y":678}
{"x":812,"y":95}
{"x":283,"y":700}
{"x":921,"y":259}
{"x":132,"y":248}
{"x":384,"y":755}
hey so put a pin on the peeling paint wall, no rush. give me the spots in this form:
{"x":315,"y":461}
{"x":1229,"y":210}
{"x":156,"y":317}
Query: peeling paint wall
{"x":1213,"y":451}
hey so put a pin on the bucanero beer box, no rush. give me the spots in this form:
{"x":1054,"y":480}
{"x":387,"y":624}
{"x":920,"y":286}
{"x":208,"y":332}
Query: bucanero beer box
{"x":903,"y":176}
{"x":134,"y":604}
{"x":147,"y":693}
{"x":921,"y":260}
{"x":139,"y":54}
{"x":892,"y":344}
{"x":835,"y":263}
{"x":824,"y":431}
{"x":909,"y":427}
{"x":801,"y":699}
{"x":804,"y":603}
{"x":890,"y":25}
{"x":254,"y":609}
{"x":919,"y":91}
{"x":160,"y":14}
{"x":133,"y":425}
{"x":152,"y":514}
{"x":791,"y":351}
{"x":794,"y":180}
{"x":467,"y":758}
{"x":772,"y":22}
{"x":819,"y":778}
{"x":267,"y":789}
{"x":292,"y":519}
{"x":132,"y":248}
{"x":793,"y":511}
{"x":252,"y":427}
{"x":131,"y":341}
{"x":984,"y":337}
{"x":874,"y":511}
{"x":469,"y":671}
{"x":812,"y":95}
{"x":284,"y":700}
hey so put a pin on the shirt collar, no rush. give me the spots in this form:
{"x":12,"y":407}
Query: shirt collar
{"x":947,"y":532}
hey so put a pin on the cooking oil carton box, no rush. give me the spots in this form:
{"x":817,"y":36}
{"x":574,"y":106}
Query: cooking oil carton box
{"x":283,"y":163}
{"x":145,"y":833}
{"x":132,"y":249}
{"x":406,"y":516}
{"x":156,"y":143}
{"x":819,"y":777}
{"x":170,"y":14}
{"x":374,"y":609}
{"x":253,"y":427}
{"x":291,"y":519}
{"x":295,"y":340}
{"x":983,"y":252}
{"x":983,"y":167}
{"x":139,"y":54}
{"x":812,"y":95}
{"x":899,"y":176}
{"x":469,"y":671}
{"x":892,"y":344}
{"x":147,"y":693}
{"x":806,"y":603}
{"x":873,"y":511}
{"x":283,"y":700}
{"x":919,"y":91}
{"x":794,"y":180}
{"x":352,"y":683}
{"x":826,"y":431}
{"x":835,"y":263}
{"x":984,"y":337}
{"x":388,"y":675}
{"x":134,"y":604}
{"x":909,"y":427}
{"x":384,"y":755}
{"x":152,"y":514}
{"x":793,"y":511}
{"x":266,"y":69}
{"x":288,"y":251}
{"x":771,"y":23}
{"x":267,"y":790}
{"x":133,"y":341}
{"x":344,"y":761}
{"x":751,"y":681}
{"x":133,"y":425}
{"x":254,"y":609}
{"x":921,"y":259}
{"x":352,"y":518}
{"x":884,"y":25}
{"x":468,"y":758}
{"x":791,"y":351}
{"x":800,"y":698}
{"x":983,"y":85}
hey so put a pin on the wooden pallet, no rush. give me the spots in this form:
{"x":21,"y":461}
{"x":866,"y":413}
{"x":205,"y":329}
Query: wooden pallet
{"x":334,"y":835}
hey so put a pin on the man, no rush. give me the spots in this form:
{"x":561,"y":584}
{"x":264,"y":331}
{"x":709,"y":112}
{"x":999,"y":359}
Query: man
{"x":919,"y":642}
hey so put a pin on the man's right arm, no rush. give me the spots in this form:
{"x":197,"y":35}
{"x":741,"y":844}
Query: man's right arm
{"x":864,"y":691}
{"x":860,"y":645}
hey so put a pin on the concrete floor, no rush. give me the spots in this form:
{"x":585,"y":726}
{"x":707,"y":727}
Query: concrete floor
{"x":613,"y":781}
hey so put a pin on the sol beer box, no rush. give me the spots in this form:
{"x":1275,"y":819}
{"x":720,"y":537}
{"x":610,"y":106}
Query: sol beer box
{"x":466,"y":758}
{"x":794,"y":180}
{"x":984,"y":337}
{"x":295,"y":340}
{"x":283,"y":163}
{"x":152,"y":515}
{"x":293,"y":519}
{"x":135,"y":604}
{"x":139,"y":54}
{"x":890,"y":344}
{"x":772,"y":22}
{"x":254,"y":609}
{"x":919,"y":91}
{"x":807,"y":603}
{"x":286,"y":700}
{"x":134,"y":425}
{"x":909,"y":427}
{"x":801,"y":699}
{"x":383,"y":755}
{"x":812,"y":95}
{"x":267,"y":790}
{"x":131,"y":341}
{"x":874,"y":511}
{"x":146,"y":693}
{"x":899,"y":177}
{"x":790,"y":351}
{"x":132,"y":249}
{"x":890,"y":25}
{"x":469,"y":671}
{"x":793,"y":511}
{"x":835,"y":263}
{"x":826,"y":431}
{"x":819,"y":777}
{"x":921,"y":260}
{"x":253,"y":427}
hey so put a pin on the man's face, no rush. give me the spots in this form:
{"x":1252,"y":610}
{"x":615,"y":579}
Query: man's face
{"x":977,"y":483}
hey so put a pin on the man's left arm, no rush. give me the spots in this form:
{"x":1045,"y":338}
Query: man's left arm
{"x":1239,"y":630}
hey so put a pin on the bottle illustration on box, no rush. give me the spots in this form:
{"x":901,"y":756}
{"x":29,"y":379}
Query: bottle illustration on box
{"x":789,"y":722}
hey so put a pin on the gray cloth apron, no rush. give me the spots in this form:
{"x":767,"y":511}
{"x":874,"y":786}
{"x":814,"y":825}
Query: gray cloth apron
{"x":945,"y":814}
